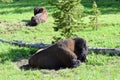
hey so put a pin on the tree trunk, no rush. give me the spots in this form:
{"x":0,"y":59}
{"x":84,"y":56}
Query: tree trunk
{"x":111,"y":51}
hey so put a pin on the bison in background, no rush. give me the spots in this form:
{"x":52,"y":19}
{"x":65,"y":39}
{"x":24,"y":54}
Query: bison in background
{"x":40,"y":16}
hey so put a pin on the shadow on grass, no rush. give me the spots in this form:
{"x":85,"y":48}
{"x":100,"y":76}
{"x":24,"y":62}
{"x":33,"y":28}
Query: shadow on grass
{"x":106,"y":7}
{"x":27,"y":23}
{"x":17,"y":54}
{"x":22,"y":6}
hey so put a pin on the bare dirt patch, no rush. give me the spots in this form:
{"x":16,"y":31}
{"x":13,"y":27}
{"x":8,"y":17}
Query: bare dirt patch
{"x":12,"y":23}
{"x":10,"y":27}
{"x":22,"y":64}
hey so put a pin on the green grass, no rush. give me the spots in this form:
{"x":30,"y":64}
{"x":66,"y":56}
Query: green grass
{"x":13,"y":17}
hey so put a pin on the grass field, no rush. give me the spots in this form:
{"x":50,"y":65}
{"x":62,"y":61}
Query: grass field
{"x":13,"y":19}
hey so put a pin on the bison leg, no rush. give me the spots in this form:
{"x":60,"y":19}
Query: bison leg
{"x":68,"y":58}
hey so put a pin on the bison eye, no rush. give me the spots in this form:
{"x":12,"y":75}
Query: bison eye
{"x":84,"y":46}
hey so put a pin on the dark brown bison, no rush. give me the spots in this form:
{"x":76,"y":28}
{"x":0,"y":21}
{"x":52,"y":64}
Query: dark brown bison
{"x":39,"y":10}
{"x":40,"y":16}
{"x":66,"y":53}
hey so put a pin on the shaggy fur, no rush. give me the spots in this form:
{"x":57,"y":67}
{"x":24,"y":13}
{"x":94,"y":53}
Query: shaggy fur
{"x":40,"y":16}
{"x":66,"y":53}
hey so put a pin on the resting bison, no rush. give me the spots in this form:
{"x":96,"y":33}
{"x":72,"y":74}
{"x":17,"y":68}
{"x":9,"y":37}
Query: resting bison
{"x":66,"y":53}
{"x":40,"y":16}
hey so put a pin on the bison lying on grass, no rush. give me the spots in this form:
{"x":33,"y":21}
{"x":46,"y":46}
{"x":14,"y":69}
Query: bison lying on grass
{"x":65,"y":53}
{"x":40,"y":16}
